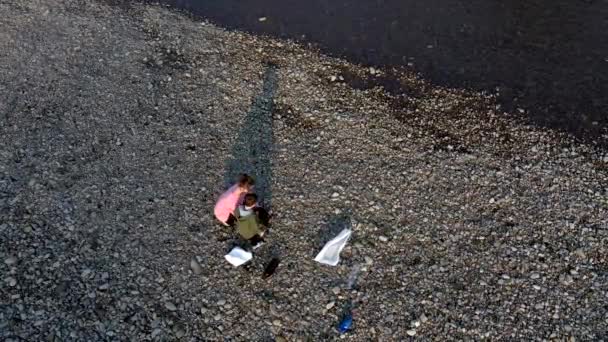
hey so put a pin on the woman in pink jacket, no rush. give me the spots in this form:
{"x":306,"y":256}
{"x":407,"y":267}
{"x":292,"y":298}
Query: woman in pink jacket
{"x":231,"y":199}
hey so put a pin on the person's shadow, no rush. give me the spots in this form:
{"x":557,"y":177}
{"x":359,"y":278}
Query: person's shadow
{"x":252,"y":151}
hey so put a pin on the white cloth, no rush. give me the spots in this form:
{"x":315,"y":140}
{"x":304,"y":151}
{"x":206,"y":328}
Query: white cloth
{"x":330,"y":254}
{"x":238,"y":256}
{"x":245,"y":211}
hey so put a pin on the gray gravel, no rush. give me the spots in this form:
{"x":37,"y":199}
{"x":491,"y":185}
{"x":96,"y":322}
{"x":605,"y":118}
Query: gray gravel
{"x":118,"y":128}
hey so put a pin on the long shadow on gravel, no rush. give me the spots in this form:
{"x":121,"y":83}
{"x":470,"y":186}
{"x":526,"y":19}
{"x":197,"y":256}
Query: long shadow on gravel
{"x":252,"y":151}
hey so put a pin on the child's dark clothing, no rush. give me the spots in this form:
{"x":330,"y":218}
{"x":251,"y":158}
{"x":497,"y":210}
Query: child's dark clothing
{"x":263,"y":216}
{"x":255,"y":240}
{"x":231,"y":221}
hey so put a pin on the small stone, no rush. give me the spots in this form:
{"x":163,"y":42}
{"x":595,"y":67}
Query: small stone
{"x":566,"y":279}
{"x":336,"y":290}
{"x":170,"y":306}
{"x":11,"y":281}
{"x":276,"y":323}
{"x":156,"y":332}
{"x":195,"y":266}
{"x":262,"y":19}
{"x":104,"y":287}
{"x":85,"y":273}
{"x":330,"y":305}
{"x":411,"y":332}
{"x":383,"y":238}
{"x":217,"y":317}
{"x":535,"y":276}
{"x":369,"y":260}
{"x":423,"y":318}
{"x":221,"y":302}
{"x":335,"y":195}
{"x":10,"y":260}
{"x":179,"y":333}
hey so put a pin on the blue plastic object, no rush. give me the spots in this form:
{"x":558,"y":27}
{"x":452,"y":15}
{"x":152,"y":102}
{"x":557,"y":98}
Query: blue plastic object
{"x":346,"y":324}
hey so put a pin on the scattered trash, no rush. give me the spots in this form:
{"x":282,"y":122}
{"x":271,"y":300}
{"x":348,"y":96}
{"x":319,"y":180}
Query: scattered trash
{"x":346,"y":323}
{"x":353,"y":276}
{"x":262,"y":19}
{"x":330,"y":254}
{"x":271,"y":267}
{"x":238,"y":256}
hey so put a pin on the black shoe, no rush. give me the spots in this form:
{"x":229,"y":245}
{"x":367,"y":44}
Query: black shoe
{"x":270,"y":268}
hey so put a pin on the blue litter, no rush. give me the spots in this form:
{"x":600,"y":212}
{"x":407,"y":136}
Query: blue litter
{"x":346,"y":324}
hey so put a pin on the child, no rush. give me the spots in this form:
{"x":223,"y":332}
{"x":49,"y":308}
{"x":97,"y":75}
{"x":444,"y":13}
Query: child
{"x":251,"y":220}
{"x":230,"y":199}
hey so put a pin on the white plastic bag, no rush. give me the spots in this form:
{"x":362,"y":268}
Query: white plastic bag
{"x":238,"y":256}
{"x":330,"y":254}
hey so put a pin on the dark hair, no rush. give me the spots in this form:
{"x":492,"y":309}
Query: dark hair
{"x":250,"y":199}
{"x":246,"y":179}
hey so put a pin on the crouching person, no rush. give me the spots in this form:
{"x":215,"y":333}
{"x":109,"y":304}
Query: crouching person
{"x":251,"y":221}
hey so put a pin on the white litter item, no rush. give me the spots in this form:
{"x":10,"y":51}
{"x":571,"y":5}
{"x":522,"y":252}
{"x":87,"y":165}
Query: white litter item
{"x":238,"y":256}
{"x":330,"y":254}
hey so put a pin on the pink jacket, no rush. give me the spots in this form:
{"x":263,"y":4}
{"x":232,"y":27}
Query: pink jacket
{"x":228,"y":202}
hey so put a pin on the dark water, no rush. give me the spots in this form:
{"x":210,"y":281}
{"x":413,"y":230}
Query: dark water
{"x":549,"y":57}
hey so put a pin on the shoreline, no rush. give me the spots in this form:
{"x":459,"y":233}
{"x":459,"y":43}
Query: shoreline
{"x":123,"y":126}
{"x":554,"y":79}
